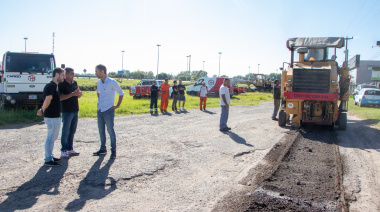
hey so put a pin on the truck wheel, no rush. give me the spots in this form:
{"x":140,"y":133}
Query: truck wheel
{"x":282,"y":118}
{"x":342,"y":121}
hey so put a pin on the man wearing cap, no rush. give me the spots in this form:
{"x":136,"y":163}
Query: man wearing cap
{"x":164,"y":87}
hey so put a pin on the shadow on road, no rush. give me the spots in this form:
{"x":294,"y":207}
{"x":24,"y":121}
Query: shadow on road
{"x":238,"y":139}
{"x":45,"y":181}
{"x":94,"y":185}
{"x":209,"y":112}
{"x":19,"y":126}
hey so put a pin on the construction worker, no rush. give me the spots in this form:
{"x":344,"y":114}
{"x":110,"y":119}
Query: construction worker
{"x":164,"y":95}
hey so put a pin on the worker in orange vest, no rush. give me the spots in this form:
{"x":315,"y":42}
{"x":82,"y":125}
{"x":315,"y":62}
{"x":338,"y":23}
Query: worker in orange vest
{"x":164,"y":95}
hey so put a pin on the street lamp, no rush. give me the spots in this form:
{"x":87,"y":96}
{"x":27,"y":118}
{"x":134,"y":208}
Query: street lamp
{"x":122,"y":60}
{"x":189,"y":66}
{"x":258,"y":68}
{"x":158,"y":57}
{"x":220,"y":53}
{"x":203,"y":65}
{"x":25,"y":42}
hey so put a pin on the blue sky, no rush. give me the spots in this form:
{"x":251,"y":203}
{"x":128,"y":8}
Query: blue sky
{"x":247,"y":32}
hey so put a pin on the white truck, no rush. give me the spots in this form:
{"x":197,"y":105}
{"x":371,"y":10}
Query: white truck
{"x":23,"y":78}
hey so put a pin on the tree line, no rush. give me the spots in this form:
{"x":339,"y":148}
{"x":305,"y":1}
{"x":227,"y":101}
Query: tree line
{"x":183,"y":75}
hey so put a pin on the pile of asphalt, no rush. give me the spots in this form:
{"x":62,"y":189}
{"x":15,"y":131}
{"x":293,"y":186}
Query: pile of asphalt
{"x":301,"y":173}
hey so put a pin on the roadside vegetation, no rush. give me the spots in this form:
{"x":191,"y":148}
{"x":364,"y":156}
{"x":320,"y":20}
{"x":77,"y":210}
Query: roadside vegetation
{"x":370,"y":113}
{"x":130,"y":106}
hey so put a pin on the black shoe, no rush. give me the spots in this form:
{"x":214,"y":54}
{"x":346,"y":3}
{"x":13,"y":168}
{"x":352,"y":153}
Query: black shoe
{"x":228,"y":128}
{"x":52,"y":163}
{"x":100,"y":152}
{"x":224,"y":130}
{"x":113,"y":155}
{"x":274,"y":119}
{"x":56,"y":159}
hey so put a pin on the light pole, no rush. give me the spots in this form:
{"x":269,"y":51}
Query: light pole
{"x":220,"y":53}
{"x":158,"y":57}
{"x":189,"y":66}
{"x":203,"y":65}
{"x":122,"y":60}
{"x":25,"y":42}
{"x":258,"y":68}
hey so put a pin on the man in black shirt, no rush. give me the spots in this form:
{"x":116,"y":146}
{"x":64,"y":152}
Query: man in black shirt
{"x":69,"y":94}
{"x":175,"y":96}
{"x":51,"y":109}
{"x":277,"y":98}
{"x":182,"y":98}
{"x":153,"y":96}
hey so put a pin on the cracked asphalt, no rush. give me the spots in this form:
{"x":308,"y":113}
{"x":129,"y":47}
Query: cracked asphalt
{"x":174,"y":162}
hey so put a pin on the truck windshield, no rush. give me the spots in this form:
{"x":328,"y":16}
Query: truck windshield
{"x":23,"y":62}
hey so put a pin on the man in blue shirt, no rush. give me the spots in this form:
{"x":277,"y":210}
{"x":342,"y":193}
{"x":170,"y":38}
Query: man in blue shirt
{"x":106,"y":89}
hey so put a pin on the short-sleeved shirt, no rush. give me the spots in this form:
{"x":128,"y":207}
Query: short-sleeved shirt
{"x":71,"y":104}
{"x":226,"y":91}
{"x":277,"y":91}
{"x":106,"y":93}
{"x":175,"y":87}
{"x":181,"y":89}
{"x":54,"y":109}
{"x":154,"y":91}
{"x":203,"y":91}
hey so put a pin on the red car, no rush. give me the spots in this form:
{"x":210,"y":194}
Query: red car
{"x":142,"y":89}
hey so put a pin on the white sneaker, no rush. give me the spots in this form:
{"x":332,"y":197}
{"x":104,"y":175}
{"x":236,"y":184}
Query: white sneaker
{"x":72,"y":153}
{"x":65,"y":155}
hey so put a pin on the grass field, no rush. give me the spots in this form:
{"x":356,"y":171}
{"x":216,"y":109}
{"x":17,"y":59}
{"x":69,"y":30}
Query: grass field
{"x":370,"y":113}
{"x":132,"y":106}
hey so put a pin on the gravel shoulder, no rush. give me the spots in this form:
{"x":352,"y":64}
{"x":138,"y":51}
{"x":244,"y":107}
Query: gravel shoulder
{"x":359,"y":148}
{"x":175,"y":162}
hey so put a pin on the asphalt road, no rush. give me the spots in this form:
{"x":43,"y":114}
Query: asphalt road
{"x":175,"y":162}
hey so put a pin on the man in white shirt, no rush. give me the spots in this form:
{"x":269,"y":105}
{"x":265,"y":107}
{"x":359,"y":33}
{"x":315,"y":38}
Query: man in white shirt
{"x":203,"y":96}
{"x":106,"y":89}
{"x":224,"y":95}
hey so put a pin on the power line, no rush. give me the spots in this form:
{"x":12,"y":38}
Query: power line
{"x":362,"y":22}
{"x":353,"y":20}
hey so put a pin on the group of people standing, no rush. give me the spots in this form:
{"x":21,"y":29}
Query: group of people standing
{"x":178,"y":95}
{"x":62,"y":93}
{"x":61,"y":96}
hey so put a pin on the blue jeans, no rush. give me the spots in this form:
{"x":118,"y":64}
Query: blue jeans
{"x":106,"y":118}
{"x":69,"y":127}
{"x":223,"y":117}
{"x":53,"y":127}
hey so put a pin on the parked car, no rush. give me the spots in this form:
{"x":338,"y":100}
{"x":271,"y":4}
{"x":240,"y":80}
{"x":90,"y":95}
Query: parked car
{"x":359,"y":87}
{"x":367,"y":96}
{"x":213,"y":84}
{"x":142,"y":89}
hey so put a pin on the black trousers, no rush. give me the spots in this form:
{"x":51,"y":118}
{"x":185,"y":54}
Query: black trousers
{"x":153,"y":101}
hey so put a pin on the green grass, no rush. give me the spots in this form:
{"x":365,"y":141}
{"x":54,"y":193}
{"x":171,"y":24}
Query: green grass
{"x":369,"y":113}
{"x":19,"y":116}
{"x":132,"y":106}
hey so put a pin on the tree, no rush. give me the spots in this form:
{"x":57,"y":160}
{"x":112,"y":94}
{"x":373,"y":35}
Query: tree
{"x":163,"y":75}
{"x":183,"y":75}
{"x":138,"y":74}
{"x":274,"y":76}
{"x":224,"y":76}
{"x":239,"y":77}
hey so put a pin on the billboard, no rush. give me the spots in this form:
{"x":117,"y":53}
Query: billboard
{"x":375,"y":74}
{"x":120,"y":73}
{"x":354,"y":62}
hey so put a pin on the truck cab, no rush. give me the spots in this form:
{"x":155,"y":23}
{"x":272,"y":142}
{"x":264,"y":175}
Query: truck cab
{"x":23,"y":78}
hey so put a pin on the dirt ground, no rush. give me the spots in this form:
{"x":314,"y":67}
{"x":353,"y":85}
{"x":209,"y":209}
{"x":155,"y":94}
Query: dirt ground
{"x":182,"y":162}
